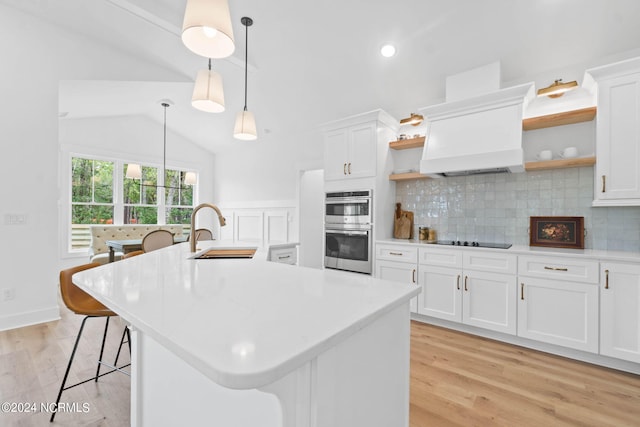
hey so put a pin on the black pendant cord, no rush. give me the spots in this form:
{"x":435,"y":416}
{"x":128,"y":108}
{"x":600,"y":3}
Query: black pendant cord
{"x":247,"y":22}
{"x":164,"y":155}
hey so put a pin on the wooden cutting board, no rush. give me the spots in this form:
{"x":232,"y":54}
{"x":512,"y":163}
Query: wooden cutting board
{"x":403,"y":223}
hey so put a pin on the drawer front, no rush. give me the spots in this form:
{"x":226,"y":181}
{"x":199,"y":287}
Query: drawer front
{"x":285,"y":255}
{"x":490,"y":261}
{"x":397,"y":253}
{"x":441,"y":257}
{"x":575,"y":270}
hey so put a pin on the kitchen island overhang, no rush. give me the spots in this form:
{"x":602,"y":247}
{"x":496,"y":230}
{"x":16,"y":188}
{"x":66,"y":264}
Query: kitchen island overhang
{"x":249,"y":324}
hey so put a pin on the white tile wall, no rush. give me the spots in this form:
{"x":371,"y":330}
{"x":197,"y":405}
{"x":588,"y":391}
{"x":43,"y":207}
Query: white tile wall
{"x":497,"y":207}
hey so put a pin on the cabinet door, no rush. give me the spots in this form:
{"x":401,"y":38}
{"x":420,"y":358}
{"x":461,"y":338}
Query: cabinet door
{"x":620,"y":311}
{"x":441,"y":295}
{"x":336,"y":154}
{"x":561,"y":313}
{"x":489,"y":301}
{"x":617,"y":175}
{"x":398,"y":272}
{"x":362,"y":151}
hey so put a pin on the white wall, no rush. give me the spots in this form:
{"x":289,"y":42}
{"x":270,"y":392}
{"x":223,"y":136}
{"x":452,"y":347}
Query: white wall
{"x":35,"y":58}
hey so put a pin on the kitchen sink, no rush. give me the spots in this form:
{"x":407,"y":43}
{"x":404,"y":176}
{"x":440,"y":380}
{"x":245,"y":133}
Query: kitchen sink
{"x":226,"y":254}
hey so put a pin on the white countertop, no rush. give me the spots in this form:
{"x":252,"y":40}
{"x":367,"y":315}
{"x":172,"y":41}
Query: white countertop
{"x":242,"y":323}
{"x":531,"y":250}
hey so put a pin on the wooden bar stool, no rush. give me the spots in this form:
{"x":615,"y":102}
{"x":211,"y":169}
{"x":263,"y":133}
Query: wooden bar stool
{"x":84,"y":304}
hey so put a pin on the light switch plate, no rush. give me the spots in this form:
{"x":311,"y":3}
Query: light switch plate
{"x":15,"y":219}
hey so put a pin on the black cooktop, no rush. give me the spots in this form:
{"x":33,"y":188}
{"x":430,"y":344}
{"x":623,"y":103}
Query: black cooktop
{"x":474,"y":244}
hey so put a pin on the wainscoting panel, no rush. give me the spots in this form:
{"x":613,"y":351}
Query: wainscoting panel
{"x":259,"y":225}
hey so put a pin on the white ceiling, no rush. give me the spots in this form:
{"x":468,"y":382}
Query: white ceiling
{"x":316,"y":61}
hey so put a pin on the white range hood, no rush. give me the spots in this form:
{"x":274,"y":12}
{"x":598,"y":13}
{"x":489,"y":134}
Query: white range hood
{"x":481,"y":134}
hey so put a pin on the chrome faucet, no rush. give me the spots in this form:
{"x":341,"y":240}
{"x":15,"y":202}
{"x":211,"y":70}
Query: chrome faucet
{"x":192,"y":236}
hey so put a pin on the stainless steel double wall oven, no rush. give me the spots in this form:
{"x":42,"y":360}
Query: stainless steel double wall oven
{"x":348,"y":225}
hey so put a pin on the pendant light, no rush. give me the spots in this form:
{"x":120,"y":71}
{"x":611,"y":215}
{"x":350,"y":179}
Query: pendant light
{"x":208,"y":94}
{"x":245,"y":127}
{"x":206,"y":29}
{"x":134,"y":171}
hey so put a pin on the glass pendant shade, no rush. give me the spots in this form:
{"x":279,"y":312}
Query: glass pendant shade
{"x":206,"y":29}
{"x":208,"y":94}
{"x":133,"y":171}
{"x":190,"y":178}
{"x":245,"y":127}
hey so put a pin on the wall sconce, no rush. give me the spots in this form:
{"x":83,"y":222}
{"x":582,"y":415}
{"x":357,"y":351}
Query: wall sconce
{"x":413,"y":120}
{"x":557,"y":88}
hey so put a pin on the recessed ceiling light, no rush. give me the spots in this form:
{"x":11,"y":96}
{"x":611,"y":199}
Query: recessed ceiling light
{"x":388,"y":50}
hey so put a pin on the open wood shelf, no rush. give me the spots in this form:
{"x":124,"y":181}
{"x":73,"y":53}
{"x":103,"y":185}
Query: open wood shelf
{"x":560,"y":164}
{"x":407,"y":143}
{"x":406,"y":176}
{"x":559,"y":119}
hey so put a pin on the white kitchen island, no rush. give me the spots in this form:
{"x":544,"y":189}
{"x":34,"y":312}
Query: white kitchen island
{"x":247,"y":342}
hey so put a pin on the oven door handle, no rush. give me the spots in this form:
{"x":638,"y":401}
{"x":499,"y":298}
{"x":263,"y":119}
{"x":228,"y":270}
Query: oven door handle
{"x":349,"y":232}
{"x":347,"y":201}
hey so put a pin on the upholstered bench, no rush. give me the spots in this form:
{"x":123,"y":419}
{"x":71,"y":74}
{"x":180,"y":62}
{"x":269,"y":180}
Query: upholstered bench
{"x":99,"y":251}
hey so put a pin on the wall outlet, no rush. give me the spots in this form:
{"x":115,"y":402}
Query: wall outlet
{"x":7,"y":294}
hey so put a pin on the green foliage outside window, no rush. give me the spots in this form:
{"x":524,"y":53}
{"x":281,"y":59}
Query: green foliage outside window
{"x":92,"y":198}
{"x":91,"y":191}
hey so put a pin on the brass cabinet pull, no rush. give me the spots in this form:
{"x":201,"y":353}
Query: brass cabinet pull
{"x":522,"y":291}
{"x":458,"y":282}
{"x":344,"y":168}
{"x":606,"y":280}
{"x":349,"y":168}
{"x":465,"y":283}
{"x":556,"y":268}
{"x":413,"y":276}
{"x":604,"y":183}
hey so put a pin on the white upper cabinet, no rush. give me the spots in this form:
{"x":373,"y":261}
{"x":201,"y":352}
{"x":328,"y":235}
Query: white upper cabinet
{"x":350,"y":152}
{"x":352,"y":146}
{"x":617,"y":171}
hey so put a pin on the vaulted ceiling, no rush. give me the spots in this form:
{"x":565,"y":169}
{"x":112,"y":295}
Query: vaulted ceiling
{"x":316,"y":61}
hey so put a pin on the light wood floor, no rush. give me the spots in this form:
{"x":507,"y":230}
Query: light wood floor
{"x":463,"y":380}
{"x":32,"y":363}
{"x":456,"y":380}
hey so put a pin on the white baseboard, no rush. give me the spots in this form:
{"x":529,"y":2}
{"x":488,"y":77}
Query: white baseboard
{"x":29,"y":318}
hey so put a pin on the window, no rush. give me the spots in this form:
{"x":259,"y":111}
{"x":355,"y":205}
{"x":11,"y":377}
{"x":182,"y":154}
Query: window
{"x":141,"y":197}
{"x":95,"y":197}
{"x":178,"y":198}
{"x":91,"y":198}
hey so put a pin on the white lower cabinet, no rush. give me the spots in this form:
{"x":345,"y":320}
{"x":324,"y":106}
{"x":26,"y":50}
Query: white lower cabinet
{"x":620,"y":310}
{"x":558,"y":301}
{"x":400,"y":264}
{"x":399,"y":272}
{"x":482,"y":295}
{"x":284,"y":254}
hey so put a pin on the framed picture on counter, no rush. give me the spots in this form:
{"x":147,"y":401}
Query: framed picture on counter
{"x":557,"y":231}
